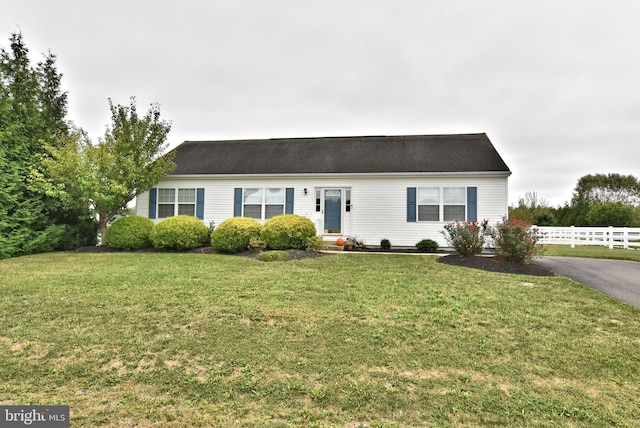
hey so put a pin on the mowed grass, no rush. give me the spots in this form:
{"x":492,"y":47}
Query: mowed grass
{"x":592,"y":251}
{"x":361,"y":340}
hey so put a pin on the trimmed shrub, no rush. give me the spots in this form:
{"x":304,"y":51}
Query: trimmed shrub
{"x":427,"y":245}
{"x":130,"y":233}
{"x":234,"y":234}
{"x":315,"y":243}
{"x":274,"y":256}
{"x":257,"y":245}
{"x":288,"y":231}
{"x":385,"y":244}
{"x":181,"y":232}
{"x":466,"y":238}
{"x":516,"y":241}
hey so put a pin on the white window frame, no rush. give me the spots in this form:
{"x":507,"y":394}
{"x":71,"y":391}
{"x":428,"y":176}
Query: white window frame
{"x":268,"y":203}
{"x":448,"y":198}
{"x":454,"y":197}
{"x":183,"y":201}
{"x":429,"y":197}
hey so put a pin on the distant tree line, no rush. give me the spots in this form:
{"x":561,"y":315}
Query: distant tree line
{"x":56,"y":187}
{"x":598,"y":200}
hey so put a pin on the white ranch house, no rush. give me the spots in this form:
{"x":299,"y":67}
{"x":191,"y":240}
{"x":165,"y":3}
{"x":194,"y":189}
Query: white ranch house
{"x":403,"y":188}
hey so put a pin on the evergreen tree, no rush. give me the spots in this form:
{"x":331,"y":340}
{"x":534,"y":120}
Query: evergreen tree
{"x":32,"y":112}
{"x":106,"y":176}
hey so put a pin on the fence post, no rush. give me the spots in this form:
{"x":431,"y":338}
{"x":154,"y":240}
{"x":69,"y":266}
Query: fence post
{"x":611,"y":237}
{"x":573,"y":231}
{"x":625,"y":238}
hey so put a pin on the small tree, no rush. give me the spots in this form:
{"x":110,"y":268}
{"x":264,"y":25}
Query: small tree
{"x":466,"y":238}
{"x":105,"y":177}
{"x":517,"y":241}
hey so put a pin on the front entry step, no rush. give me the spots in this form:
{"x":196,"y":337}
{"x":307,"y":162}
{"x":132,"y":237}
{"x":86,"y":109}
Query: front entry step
{"x":330,"y":245}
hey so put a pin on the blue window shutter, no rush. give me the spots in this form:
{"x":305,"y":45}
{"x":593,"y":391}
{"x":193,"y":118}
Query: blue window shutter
{"x":237,"y":202}
{"x":288,"y":206}
{"x":200,"y":203}
{"x":411,"y":204}
{"x":153,"y":200}
{"x":472,"y":203}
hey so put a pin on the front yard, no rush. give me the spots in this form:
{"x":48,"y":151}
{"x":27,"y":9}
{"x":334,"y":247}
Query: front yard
{"x":156,"y":339}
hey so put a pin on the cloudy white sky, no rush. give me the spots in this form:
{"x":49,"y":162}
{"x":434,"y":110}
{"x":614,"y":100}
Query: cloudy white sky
{"x":554,"y":84}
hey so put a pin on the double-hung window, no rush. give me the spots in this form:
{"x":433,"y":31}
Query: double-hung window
{"x":252,"y":203}
{"x":454,"y":203}
{"x":442,"y":204}
{"x":262,"y":204}
{"x":274,"y":202}
{"x":166,"y":203}
{"x":428,"y":204}
{"x":169,"y":205}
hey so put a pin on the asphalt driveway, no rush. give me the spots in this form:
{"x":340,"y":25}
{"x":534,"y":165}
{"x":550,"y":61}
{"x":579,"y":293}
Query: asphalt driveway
{"x":617,"y":278}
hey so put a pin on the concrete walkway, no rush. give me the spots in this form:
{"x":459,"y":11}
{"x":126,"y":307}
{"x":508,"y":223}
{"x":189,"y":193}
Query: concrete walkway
{"x":617,"y":278}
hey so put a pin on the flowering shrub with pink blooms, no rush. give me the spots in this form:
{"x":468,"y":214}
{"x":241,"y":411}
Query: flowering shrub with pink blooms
{"x":466,"y":238}
{"x":516,"y":241}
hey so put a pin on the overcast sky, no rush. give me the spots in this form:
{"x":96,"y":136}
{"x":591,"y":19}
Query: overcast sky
{"x":554,"y":84}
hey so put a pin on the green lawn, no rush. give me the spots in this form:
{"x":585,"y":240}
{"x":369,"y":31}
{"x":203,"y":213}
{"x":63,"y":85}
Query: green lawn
{"x":598,"y":252}
{"x":146,"y":339}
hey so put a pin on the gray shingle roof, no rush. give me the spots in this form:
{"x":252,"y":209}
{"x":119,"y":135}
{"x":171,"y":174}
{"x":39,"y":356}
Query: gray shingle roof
{"x":378,"y":154}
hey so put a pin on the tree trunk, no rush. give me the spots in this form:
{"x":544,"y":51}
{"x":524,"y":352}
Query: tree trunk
{"x":102,"y":224}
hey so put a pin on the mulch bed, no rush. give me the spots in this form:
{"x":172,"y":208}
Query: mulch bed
{"x":395,"y":251}
{"x":487,"y":263}
{"x":491,"y":264}
{"x":293,"y":254}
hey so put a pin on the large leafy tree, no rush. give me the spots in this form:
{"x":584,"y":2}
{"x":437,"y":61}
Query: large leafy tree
{"x":605,"y":188}
{"x":32,"y":111}
{"x":602,"y":199}
{"x":127,"y":161}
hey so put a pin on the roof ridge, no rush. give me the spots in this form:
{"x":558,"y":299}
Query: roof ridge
{"x":337,"y":137}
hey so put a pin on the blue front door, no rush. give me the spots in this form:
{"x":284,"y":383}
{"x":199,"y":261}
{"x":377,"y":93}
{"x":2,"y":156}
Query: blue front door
{"x":333,"y":211}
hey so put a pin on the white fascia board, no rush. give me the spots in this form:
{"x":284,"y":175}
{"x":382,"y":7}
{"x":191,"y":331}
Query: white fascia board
{"x":333,"y":175}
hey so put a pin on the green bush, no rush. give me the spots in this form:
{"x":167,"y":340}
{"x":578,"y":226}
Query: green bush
{"x":635,"y":221}
{"x":234,"y":234}
{"x":466,"y":238}
{"x":611,"y":214}
{"x":130,"y":233}
{"x":257,"y":245}
{"x":314,"y":243}
{"x":516,"y":241}
{"x":385,"y":244}
{"x":427,"y":245}
{"x":81,"y":231}
{"x":288,"y":231}
{"x":181,"y":232}
{"x":274,"y":256}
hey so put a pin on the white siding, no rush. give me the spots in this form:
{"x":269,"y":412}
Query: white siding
{"x":379,"y":204}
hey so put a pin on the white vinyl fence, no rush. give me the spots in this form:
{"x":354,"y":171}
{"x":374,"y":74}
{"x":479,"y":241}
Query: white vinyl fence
{"x":612,"y":237}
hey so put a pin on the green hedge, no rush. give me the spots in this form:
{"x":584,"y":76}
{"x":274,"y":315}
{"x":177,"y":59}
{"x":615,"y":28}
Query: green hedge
{"x":180,"y":232}
{"x":130,"y":233}
{"x":288,"y":231}
{"x":427,"y":245}
{"x":233,"y":235}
